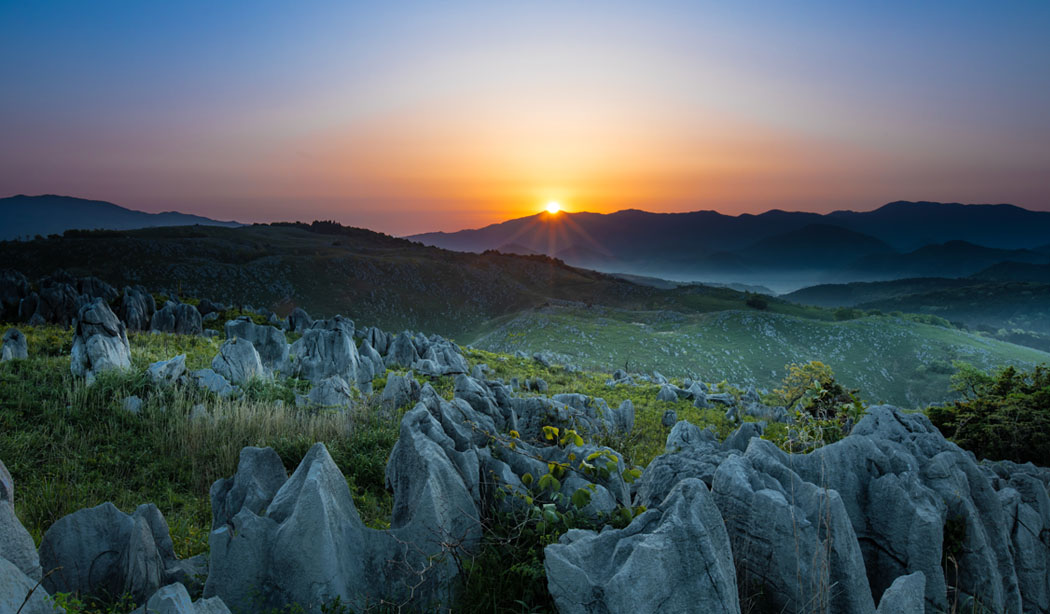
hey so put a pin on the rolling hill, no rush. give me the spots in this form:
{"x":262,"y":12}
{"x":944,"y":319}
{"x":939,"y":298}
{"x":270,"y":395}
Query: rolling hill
{"x":23,"y":217}
{"x":510,"y":302}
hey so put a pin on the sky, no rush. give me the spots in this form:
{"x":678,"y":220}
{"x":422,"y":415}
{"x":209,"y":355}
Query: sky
{"x":419,"y":116}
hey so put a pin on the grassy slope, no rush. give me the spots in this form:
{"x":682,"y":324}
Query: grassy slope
{"x":69,"y":447}
{"x":889,"y":359}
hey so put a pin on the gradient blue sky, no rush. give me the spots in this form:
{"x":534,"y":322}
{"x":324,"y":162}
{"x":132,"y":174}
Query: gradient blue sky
{"x":437,"y":116}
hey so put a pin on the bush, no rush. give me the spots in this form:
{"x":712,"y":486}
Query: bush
{"x":757,"y":301}
{"x":1002,"y":416}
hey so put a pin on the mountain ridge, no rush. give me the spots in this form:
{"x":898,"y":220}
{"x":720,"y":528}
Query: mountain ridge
{"x":24,"y":216}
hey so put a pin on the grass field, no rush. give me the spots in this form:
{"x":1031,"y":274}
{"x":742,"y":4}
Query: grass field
{"x":890,"y":359}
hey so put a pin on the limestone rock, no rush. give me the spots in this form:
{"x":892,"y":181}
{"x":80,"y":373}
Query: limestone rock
{"x":238,"y":362}
{"x":137,"y":307}
{"x":400,"y":390}
{"x":14,"y":346}
{"x":673,"y":558}
{"x":905,"y":596}
{"x":15,"y":586}
{"x":100,"y":341}
{"x":102,"y":551}
{"x":270,"y":342}
{"x":16,"y":545}
{"x":167,"y":372}
{"x":325,"y":350}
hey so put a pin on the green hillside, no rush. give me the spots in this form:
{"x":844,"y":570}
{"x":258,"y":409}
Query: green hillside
{"x":889,"y":358}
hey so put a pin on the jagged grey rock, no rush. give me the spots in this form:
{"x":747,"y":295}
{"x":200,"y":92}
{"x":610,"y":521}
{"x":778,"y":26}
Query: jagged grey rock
{"x":623,"y":417}
{"x":325,"y":350}
{"x":402,"y":352}
{"x":667,"y":393}
{"x":299,"y":320}
{"x":307,"y":544}
{"x":270,"y":342}
{"x":368,"y":354}
{"x":132,"y":404}
{"x":100,"y":341}
{"x":260,"y":474}
{"x":14,"y":286}
{"x":175,"y":599}
{"x":238,"y":362}
{"x":15,"y":586}
{"x":905,"y":596}
{"x":208,"y":379}
{"x":137,"y":307}
{"x":792,"y":538}
{"x":167,"y":372}
{"x":688,"y":452}
{"x":14,"y":346}
{"x":669,"y":419}
{"x":674,"y":558}
{"x":101,"y":551}
{"x":177,"y":318}
{"x":59,"y":302}
{"x":400,"y":390}
{"x":740,"y":438}
{"x":93,"y":287}
{"x":16,"y":545}
{"x":331,"y":393}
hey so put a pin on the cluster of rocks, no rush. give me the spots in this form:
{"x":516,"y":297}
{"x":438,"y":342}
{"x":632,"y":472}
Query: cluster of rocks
{"x":863,"y":525}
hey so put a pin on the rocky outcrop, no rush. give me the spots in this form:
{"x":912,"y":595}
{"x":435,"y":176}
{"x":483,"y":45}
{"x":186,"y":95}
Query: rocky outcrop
{"x":325,"y":350}
{"x":400,"y":390}
{"x":330,"y":393}
{"x":15,"y":587}
{"x":14,"y":346}
{"x":238,"y":362}
{"x":58,"y":302}
{"x":13,"y":288}
{"x":299,"y":320}
{"x":16,"y":545}
{"x":672,"y":558}
{"x":137,"y":307}
{"x":167,"y":373}
{"x":270,"y":342}
{"x":175,"y":599}
{"x":100,"y":341}
{"x":177,"y":318}
{"x":103,"y":552}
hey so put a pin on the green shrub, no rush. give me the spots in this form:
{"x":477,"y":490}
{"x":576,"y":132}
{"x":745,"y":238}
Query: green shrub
{"x":1002,"y":416}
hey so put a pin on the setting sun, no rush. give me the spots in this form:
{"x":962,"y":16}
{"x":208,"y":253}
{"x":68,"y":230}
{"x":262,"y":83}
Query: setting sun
{"x":553,"y":206}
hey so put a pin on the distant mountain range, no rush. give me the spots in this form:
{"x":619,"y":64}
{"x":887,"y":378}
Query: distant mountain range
{"x":24,"y":217}
{"x":784,"y":250}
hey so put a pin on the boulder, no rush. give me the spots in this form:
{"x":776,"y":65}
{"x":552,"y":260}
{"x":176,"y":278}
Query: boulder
{"x":623,"y":417}
{"x":400,"y":390}
{"x":325,"y":350}
{"x":207,"y":307}
{"x":13,"y":288}
{"x":59,"y":302}
{"x":137,"y":307}
{"x":93,"y":287}
{"x":792,"y":539}
{"x":330,"y":393}
{"x":238,"y":362}
{"x":270,"y":342}
{"x":905,"y":596}
{"x":669,"y":419}
{"x":14,"y":346}
{"x":103,"y":552}
{"x":16,"y":586}
{"x":299,"y":320}
{"x":306,"y":544}
{"x":672,"y":558}
{"x":208,"y":379}
{"x":402,"y":352}
{"x":177,"y":318}
{"x":133,"y":405}
{"x":27,"y":309}
{"x":667,"y":393}
{"x":100,"y":341}
{"x":167,"y":373}
{"x":16,"y":545}
{"x":175,"y":599}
